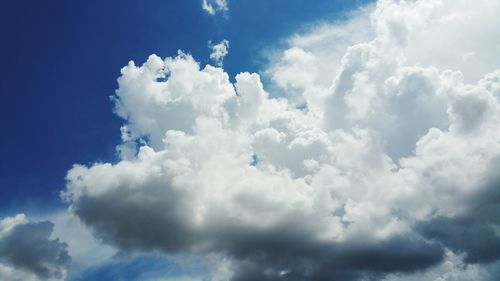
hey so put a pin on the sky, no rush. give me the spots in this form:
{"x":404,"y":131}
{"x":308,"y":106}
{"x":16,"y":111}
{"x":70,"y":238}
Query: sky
{"x":62,"y":59}
{"x":250,"y":140}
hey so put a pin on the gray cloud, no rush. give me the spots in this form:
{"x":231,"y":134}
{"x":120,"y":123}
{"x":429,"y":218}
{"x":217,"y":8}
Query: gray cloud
{"x":28,"y":247}
{"x":295,"y":260}
{"x":149,"y":220}
{"x":475,"y":232}
{"x":154,"y":218}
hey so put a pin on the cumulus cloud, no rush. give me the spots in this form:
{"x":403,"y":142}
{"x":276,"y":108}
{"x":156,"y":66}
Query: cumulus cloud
{"x":376,"y":160}
{"x":27,"y":251}
{"x":219,"y":51}
{"x":213,"y":7}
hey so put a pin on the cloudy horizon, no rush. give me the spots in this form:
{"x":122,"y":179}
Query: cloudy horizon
{"x":362,"y":144}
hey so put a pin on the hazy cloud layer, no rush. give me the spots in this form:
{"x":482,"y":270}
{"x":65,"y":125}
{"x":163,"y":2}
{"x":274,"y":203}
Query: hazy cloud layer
{"x":377,"y":161}
{"x":27,"y":252}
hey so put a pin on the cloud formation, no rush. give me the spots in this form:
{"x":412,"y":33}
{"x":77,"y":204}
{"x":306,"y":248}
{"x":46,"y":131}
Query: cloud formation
{"x":376,"y":160}
{"x":28,"y":253}
{"x":213,"y":7}
{"x":219,"y":52}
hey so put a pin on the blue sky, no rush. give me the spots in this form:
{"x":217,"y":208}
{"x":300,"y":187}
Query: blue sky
{"x":287,"y":140}
{"x":61,"y":60}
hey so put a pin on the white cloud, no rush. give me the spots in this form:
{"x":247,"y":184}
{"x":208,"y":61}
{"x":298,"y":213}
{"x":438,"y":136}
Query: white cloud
{"x":213,"y":7}
{"x":392,"y":158}
{"x":219,"y":51}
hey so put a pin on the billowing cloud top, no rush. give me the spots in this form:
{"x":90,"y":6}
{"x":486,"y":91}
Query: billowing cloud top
{"x":378,"y":159}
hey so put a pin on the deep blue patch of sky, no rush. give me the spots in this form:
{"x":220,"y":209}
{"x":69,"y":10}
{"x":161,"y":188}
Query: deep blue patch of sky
{"x":60,"y":60}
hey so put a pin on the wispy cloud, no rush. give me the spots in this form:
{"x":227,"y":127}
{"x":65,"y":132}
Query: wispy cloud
{"x":219,"y":51}
{"x":213,"y":7}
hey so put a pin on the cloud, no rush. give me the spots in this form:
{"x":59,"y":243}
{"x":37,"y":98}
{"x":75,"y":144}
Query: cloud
{"x":213,"y":7}
{"x":474,"y":233}
{"x":85,"y":250}
{"x":27,"y":252}
{"x":375,"y":159}
{"x":452,"y":269}
{"x":219,"y":51}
